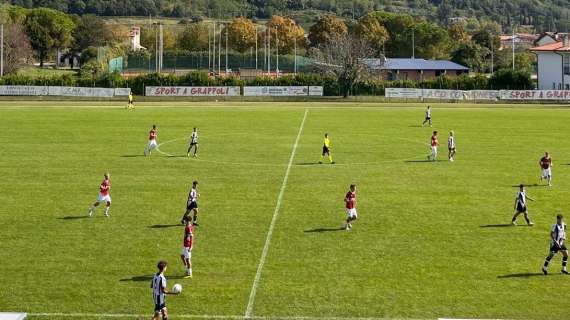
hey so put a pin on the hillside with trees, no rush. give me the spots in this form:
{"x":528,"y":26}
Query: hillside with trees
{"x":536,"y":15}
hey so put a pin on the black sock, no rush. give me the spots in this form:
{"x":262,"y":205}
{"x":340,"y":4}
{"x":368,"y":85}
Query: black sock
{"x":547,"y":261}
{"x":527,"y":220}
{"x":564,"y":262}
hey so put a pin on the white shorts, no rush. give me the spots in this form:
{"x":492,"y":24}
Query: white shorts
{"x":187,"y":253}
{"x":547,"y":172}
{"x":434,"y":150}
{"x":102,"y":198}
{"x":351,"y":213}
{"x":151,"y":144}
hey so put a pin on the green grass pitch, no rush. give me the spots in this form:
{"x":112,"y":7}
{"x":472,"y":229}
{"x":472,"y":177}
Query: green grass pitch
{"x":429,"y":241}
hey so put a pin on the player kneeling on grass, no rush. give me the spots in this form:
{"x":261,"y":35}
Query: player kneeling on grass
{"x":350,"y":204}
{"x":520,"y":206}
{"x":546,"y":166}
{"x":186,"y":254}
{"x":151,"y":141}
{"x":104,"y":196}
{"x":159,"y":292}
{"x":434,"y":144}
{"x":557,"y":237}
{"x":451,"y":146}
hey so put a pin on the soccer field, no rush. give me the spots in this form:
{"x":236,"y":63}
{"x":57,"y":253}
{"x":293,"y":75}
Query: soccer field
{"x":433,"y":239}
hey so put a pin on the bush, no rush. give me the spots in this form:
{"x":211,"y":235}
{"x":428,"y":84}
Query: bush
{"x":511,"y":80}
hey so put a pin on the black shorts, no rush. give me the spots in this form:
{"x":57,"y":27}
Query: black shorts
{"x":555,"y":248}
{"x":428,"y":118}
{"x":521,"y":208}
{"x":451,"y":149}
{"x":192,"y":205}
{"x":193,"y":144}
{"x":326,"y":150}
{"x":158,"y":307}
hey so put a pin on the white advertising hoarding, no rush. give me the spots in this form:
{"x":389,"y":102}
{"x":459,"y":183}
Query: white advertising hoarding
{"x":192,"y":91}
{"x":535,"y":94}
{"x":404,"y":93}
{"x":276,"y":91}
{"x":23,"y":91}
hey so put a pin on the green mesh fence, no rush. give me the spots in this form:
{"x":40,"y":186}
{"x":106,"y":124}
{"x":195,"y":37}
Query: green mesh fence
{"x":199,"y":61}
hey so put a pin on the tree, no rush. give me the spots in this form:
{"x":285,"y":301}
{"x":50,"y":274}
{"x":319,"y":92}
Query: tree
{"x":241,"y":34}
{"x":325,"y":29}
{"x":48,"y":30}
{"x":341,"y":57}
{"x":457,"y":32}
{"x":471,"y":55}
{"x":149,"y":35}
{"x":373,"y":32}
{"x":285,"y":33}
{"x":90,"y":31}
{"x":17,"y":48}
{"x":486,"y":39}
{"x":194,"y":37}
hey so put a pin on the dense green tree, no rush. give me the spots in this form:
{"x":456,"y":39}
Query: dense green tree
{"x":48,"y":30}
{"x":194,"y":37}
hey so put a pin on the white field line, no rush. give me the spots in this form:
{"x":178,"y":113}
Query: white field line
{"x":249,"y":309}
{"x":188,"y":316}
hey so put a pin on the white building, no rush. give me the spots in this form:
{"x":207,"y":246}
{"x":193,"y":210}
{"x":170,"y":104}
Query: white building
{"x":135,"y":36}
{"x":553,"y":65}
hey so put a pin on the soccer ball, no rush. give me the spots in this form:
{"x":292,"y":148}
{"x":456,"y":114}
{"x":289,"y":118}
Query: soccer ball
{"x":177,"y":288}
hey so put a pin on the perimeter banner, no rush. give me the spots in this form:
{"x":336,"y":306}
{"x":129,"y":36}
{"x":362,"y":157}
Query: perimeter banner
{"x":192,"y":91}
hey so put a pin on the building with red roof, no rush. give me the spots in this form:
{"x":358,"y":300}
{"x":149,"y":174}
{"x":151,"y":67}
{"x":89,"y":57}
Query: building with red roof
{"x":553,"y":65}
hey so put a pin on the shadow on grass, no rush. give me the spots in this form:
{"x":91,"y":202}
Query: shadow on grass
{"x":521,"y":275}
{"x":132,"y":155}
{"x":324,"y":230}
{"x":162,"y":226}
{"x":415,"y":126}
{"x":424,"y":161}
{"x":74,"y":217}
{"x":531,"y":185}
{"x":496,"y":225}
{"x":148,"y":278}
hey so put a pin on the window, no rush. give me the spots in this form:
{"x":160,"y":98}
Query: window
{"x":439,"y":72}
{"x":566,"y":64}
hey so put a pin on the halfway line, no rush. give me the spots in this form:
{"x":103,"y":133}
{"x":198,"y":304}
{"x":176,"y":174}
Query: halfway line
{"x":249,"y":310}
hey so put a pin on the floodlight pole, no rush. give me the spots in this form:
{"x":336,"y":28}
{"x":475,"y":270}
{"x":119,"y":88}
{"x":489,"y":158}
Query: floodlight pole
{"x":209,"y":52}
{"x":513,"y":48}
{"x":256,"y":49}
{"x":2,"y":50}
{"x":220,"y":54}
{"x":226,"y":49}
{"x":269,"y":52}
{"x":214,"y":49}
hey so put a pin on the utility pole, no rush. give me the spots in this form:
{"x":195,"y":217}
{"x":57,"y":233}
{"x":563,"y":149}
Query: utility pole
{"x":220,"y":53}
{"x":413,"y":44}
{"x":226,"y":49}
{"x":161,"y":47}
{"x":214,"y":49}
{"x":492,"y":54}
{"x":269,"y":52}
{"x":277,"y":48}
{"x":2,"y":50}
{"x":209,"y":52}
{"x":256,"y":50}
{"x":513,"y":48}
{"x":295,"y":57}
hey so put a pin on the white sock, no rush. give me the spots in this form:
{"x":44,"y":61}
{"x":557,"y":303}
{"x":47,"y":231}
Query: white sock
{"x":106,"y":210}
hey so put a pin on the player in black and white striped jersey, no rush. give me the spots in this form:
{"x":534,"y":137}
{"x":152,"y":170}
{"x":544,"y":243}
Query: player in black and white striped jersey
{"x":193,"y":143}
{"x":159,"y":292}
{"x":557,"y":237}
{"x":520,"y":206}
{"x":451,"y":146}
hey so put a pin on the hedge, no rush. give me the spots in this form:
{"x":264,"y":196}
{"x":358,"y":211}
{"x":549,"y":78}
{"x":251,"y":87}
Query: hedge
{"x":503,"y":79}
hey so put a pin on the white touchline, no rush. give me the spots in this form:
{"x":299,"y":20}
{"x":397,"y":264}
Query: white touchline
{"x":249,"y":309}
{"x":124,"y":315}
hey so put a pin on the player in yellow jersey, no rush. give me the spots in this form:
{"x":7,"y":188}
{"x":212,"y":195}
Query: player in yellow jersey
{"x":327,"y":149}
{"x":131,"y":104}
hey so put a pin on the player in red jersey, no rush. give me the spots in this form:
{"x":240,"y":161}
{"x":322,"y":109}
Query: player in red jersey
{"x":151,"y":141}
{"x":546,"y":166}
{"x":104,"y":196}
{"x":186,"y":254}
{"x":350,"y":204}
{"x":434,"y":144}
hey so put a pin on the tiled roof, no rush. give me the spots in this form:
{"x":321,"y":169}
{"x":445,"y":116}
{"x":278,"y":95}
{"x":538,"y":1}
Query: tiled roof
{"x":552,"y":47}
{"x":412,"y":64}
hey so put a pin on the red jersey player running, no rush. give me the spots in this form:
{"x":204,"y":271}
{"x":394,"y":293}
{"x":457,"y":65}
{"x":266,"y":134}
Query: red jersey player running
{"x":186,"y":254}
{"x":350,"y":203}
{"x":434,"y":144}
{"x":103,"y":196}
{"x":546,"y":166}
{"x":151,"y":141}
